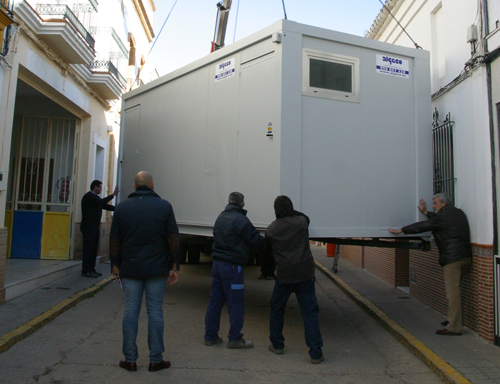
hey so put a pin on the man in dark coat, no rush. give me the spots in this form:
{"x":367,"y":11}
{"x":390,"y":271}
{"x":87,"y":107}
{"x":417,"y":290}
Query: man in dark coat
{"x":144,"y":248}
{"x":234,"y":234}
{"x":450,"y":229}
{"x":92,"y":206}
{"x":287,"y":239}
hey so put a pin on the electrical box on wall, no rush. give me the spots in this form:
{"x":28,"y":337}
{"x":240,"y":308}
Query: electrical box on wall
{"x":3,"y":180}
{"x":472,"y":33}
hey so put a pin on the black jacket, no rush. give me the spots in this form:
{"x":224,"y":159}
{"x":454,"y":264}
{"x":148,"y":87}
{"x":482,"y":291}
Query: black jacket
{"x":234,"y":234}
{"x":92,"y":206}
{"x":450,"y":229}
{"x":289,"y":240}
{"x":144,"y":238}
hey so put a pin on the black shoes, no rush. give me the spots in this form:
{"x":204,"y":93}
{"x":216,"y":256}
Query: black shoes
{"x":90,"y":274}
{"x":153,"y":367}
{"x":97,"y":273}
{"x":132,"y":367}
{"x":445,"y":323}
{"x":209,"y":343}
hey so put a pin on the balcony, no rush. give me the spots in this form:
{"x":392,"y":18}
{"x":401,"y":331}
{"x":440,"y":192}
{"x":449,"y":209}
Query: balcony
{"x":105,"y":72}
{"x":59,"y":27}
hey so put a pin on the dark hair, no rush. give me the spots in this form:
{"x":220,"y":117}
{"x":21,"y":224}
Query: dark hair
{"x":283,"y":206}
{"x":236,"y":198}
{"x":95,"y":183}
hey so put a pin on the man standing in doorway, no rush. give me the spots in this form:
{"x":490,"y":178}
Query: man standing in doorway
{"x":234,"y":234}
{"x":144,"y":247}
{"x":92,"y":206}
{"x":450,"y":229}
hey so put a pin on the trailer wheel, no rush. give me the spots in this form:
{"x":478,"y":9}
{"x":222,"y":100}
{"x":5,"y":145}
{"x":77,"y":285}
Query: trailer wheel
{"x":193,"y":252}
{"x":183,"y":253}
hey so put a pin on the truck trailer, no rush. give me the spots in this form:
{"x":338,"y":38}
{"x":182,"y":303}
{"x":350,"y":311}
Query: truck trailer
{"x":339,"y":123}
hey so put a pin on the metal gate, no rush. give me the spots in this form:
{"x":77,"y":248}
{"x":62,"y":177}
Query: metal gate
{"x":41,"y":186}
{"x":442,"y":148}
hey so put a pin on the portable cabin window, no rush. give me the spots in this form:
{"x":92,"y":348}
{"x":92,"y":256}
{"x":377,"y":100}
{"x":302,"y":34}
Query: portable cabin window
{"x":330,"y":76}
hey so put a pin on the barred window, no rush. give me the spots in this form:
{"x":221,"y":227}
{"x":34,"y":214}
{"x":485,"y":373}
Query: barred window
{"x":442,"y":148}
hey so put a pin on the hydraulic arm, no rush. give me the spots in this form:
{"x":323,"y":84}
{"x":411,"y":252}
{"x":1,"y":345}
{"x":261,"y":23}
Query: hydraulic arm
{"x":223,"y":8}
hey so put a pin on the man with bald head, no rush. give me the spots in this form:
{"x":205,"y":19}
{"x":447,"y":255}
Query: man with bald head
{"x":144,"y":248}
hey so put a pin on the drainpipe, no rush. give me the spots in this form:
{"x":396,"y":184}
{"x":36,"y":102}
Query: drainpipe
{"x":492,"y":130}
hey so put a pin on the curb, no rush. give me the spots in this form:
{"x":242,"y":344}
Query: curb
{"x":9,"y":339}
{"x":438,"y":365}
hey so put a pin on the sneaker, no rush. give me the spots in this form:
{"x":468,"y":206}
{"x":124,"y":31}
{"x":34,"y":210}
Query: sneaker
{"x":90,"y":274}
{"x":275,"y":350}
{"x":270,"y":277}
{"x":240,"y":344}
{"x":317,"y":361}
{"x":97,"y":273}
{"x":209,"y":343}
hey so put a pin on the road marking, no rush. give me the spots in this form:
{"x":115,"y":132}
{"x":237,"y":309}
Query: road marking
{"x":18,"y":334}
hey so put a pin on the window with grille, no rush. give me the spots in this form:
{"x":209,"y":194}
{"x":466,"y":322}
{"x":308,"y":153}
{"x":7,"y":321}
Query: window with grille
{"x":442,"y":148}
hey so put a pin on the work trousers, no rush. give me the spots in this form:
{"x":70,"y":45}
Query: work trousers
{"x":306,"y":296}
{"x":453,"y":275}
{"x":90,"y":236}
{"x":227,"y":288}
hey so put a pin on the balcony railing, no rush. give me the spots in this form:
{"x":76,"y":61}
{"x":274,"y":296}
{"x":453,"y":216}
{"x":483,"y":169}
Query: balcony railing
{"x":63,"y":11}
{"x":107,"y":66}
{"x":88,"y":8}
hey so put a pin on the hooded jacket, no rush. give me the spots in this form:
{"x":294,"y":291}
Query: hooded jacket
{"x":289,"y":239}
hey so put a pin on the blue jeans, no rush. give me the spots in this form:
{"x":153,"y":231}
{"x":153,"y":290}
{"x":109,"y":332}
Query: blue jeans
{"x":227,"y":288}
{"x":306,"y":296}
{"x":155,"y":289}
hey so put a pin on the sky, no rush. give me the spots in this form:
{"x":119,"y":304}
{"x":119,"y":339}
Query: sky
{"x":188,"y":33}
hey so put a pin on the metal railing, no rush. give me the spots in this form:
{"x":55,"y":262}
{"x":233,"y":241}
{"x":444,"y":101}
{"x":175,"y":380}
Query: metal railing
{"x":442,"y":148}
{"x":6,"y":6}
{"x":83,"y":7}
{"x":64,"y":11}
{"x":107,"y":66}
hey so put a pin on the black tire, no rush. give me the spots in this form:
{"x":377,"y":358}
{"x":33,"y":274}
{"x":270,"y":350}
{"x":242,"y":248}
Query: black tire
{"x":194,"y":251}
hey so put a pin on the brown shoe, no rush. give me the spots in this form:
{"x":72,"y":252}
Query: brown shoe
{"x":445,"y":323}
{"x":445,"y":332}
{"x":132,"y":367}
{"x":153,"y":367}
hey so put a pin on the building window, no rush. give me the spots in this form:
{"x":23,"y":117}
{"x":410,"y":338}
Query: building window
{"x":330,"y":76}
{"x":442,"y":148}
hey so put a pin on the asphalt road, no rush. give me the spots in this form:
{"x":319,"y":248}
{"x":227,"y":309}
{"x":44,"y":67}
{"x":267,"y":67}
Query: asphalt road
{"x":83,"y":345}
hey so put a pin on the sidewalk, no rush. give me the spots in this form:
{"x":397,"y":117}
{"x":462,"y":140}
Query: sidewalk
{"x":58,"y":295}
{"x":475,"y":359}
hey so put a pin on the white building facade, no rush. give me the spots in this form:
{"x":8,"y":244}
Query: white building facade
{"x":463,"y":38}
{"x":66,"y":64}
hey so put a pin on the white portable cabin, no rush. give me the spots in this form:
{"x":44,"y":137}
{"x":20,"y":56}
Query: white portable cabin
{"x":339,"y":123}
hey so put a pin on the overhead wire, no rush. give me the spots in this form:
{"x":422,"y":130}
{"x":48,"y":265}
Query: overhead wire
{"x":404,"y":30}
{"x":284,"y":10}
{"x":236,"y":22}
{"x":152,"y":46}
